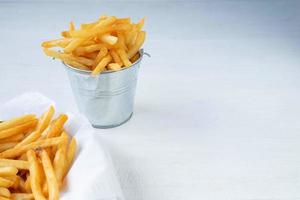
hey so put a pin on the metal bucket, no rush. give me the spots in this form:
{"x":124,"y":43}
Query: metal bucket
{"x":107,"y":99}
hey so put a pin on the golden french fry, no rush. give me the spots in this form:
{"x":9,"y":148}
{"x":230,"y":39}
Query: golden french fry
{"x":123,"y":21}
{"x":116,"y":57}
{"x":60,"y":161}
{"x":140,"y":24}
{"x":101,"y":65}
{"x":45,"y":189}
{"x":22,"y":128}
{"x":71,"y":154}
{"x":71,"y":26}
{"x":5,"y":182}
{"x":121,"y":27}
{"x":131,"y":36}
{"x":20,"y":164}
{"x":114,"y":34}
{"x":102,"y":53}
{"x":122,"y":41}
{"x":92,"y":55}
{"x":28,"y":184}
{"x":57,"y":127}
{"x":76,"y":64}
{"x":14,"y":138}
{"x":15,"y":152}
{"x":4,"y":198}
{"x":88,"y":49}
{"x":30,"y":138}
{"x":114,"y":66}
{"x":15,"y":179}
{"x":57,"y":43}
{"x":73,"y":44}
{"x":7,"y":145}
{"x":35,"y":181}
{"x":4,"y":192}
{"x":16,"y":121}
{"x":109,"y":39}
{"x":8,"y":171}
{"x":65,"y":34}
{"x":45,"y":119}
{"x":23,"y":157}
{"x":50,"y":176}
{"x":69,"y":57}
{"x":139,"y":42}
{"x":22,"y":185}
{"x":43,"y":123}
{"x":124,"y":57}
{"x":21,"y":196}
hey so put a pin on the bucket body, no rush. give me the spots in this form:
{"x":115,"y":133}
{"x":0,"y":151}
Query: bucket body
{"x":107,"y":99}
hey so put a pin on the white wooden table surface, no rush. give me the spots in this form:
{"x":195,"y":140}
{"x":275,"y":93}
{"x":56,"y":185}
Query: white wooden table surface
{"x":217,"y":112}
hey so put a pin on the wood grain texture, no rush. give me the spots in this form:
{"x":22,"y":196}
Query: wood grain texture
{"x":217,"y":107}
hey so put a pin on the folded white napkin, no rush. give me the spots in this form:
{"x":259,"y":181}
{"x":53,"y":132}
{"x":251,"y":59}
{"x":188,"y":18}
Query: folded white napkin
{"x":92,"y":175}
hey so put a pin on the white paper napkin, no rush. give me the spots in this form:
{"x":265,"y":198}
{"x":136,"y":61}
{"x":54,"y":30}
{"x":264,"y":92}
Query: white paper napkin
{"x":92,"y":176}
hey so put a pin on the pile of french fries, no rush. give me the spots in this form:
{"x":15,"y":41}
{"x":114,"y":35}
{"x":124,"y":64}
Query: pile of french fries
{"x":110,"y":43}
{"x":35,"y":156}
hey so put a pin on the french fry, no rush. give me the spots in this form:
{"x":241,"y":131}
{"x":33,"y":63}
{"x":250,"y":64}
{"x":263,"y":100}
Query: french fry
{"x":124,"y":57}
{"x":20,"y":164}
{"x":22,"y":185}
{"x":22,"y":128}
{"x":73,"y":44}
{"x":35,"y":181}
{"x":121,"y":41}
{"x":140,"y":24}
{"x":69,"y":58}
{"x":50,"y":176}
{"x":57,"y":43}
{"x":102,"y":53}
{"x":21,"y":196}
{"x":8,"y":171}
{"x":109,"y":39}
{"x":14,"y":138}
{"x":101,"y":65}
{"x":71,"y":154}
{"x":16,"y":121}
{"x":6,"y":146}
{"x":43,"y":123}
{"x":4,"y":192}
{"x":123,"y":21}
{"x":15,"y":152}
{"x":116,"y":57}
{"x":28,"y":184}
{"x":4,"y":198}
{"x":92,"y":55}
{"x":45,"y":119}
{"x":5,"y":182}
{"x":88,"y":49}
{"x":139,"y":42}
{"x":45,"y":189}
{"x":71,"y":26}
{"x":77,"y":65}
{"x":57,"y":127}
{"x":60,"y":161}
{"x":15,"y":179}
{"x":113,"y":66}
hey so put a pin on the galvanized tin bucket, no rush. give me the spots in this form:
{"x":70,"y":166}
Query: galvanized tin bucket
{"x":106,"y":100}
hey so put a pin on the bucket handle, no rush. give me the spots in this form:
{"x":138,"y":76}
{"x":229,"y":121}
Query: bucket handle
{"x":147,"y":54}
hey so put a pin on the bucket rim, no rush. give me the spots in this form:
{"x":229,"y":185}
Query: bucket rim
{"x":82,"y":71}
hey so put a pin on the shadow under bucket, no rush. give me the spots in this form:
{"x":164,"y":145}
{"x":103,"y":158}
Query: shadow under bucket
{"x":107,"y":99}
